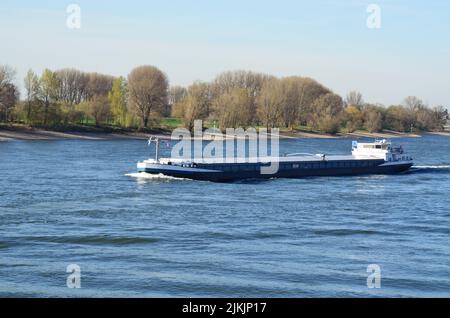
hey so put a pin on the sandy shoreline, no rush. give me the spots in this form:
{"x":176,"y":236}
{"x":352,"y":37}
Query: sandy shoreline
{"x":40,"y":134}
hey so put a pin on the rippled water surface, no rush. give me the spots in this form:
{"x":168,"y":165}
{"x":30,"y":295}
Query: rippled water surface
{"x":74,"y":202}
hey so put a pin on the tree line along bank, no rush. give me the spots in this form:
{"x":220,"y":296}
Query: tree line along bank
{"x":233,"y":99}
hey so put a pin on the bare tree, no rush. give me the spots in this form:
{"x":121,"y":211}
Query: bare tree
{"x":99,"y":109}
{"x":327,"y":111}
{"x":72,"y":85}
{"x":251,"y":81}
{"x":148,"y":90}
{"x":7,"y":74}
{"x":235,"y":109}
{"x":308,"y":91}
{"x":353,"y":118}
{"x":399,"y":118}
{"x":270,"y":103}
{"x":373,"y":119}
{"x":177,"y":97}
{"x":176,"y":94}
{"x":197,"y":103}
{"x":413,"y":103}
{"x":354,"y":98}
{"x":440,"y":116}
{"x":9,"y":94}
{"x":98,"y":85}
{"x":292,"y":90}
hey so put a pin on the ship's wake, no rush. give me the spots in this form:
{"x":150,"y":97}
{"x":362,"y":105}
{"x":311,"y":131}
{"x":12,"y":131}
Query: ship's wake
{"x":431,"y":169}
{"x":149,"y":176}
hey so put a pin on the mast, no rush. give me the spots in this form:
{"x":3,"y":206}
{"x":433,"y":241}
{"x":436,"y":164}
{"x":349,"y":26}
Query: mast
{"x":156,"y":140}
{"x":157,"y":150}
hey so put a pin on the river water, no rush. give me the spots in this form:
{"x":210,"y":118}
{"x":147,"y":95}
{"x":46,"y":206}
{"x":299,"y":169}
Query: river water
{"x":75,"y":202}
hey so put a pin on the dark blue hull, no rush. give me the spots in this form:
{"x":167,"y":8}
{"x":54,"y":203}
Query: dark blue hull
{"x":358,"y":168}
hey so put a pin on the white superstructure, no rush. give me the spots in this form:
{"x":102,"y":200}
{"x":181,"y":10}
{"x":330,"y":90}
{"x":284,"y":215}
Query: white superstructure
{"x":381,"y":149}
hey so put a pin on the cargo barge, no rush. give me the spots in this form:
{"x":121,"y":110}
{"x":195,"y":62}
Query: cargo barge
{"x":379,"y":157}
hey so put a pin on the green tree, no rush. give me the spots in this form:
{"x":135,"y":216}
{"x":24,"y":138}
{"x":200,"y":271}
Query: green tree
{"x":31,"y":83}
{"x":48,"y":91}
{"x":118,"y":101}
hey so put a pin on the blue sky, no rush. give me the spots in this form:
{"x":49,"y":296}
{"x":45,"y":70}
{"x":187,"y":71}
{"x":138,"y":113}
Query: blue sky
{"x":196,"y":40}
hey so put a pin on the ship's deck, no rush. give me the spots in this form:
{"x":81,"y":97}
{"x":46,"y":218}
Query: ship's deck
{"x":286,"y":159}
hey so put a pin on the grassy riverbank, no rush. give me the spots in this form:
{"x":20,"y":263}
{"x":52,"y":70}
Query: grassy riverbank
{"x":88,"y":132}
